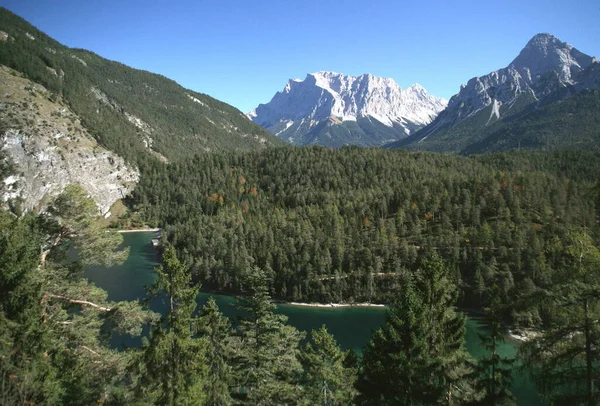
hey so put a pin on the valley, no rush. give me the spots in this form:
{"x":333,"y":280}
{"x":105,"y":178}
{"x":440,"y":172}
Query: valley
{"x":388,"y":196}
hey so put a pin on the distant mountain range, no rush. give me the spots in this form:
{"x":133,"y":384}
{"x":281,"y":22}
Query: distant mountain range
{"x":546,"y":98}
{"x":333,"y":109}
{"x":72,"y":116}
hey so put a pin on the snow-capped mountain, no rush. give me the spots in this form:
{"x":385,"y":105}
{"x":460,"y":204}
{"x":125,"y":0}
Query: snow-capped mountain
{"x":546,"y":70}
{"x":334,"y":109}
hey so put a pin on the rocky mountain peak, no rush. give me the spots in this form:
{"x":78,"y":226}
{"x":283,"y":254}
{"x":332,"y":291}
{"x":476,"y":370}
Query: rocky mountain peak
{"x":416,"y":89}
{"x":543,"y":65}
{"x":545,"y":53}
{"x":546,"y":70}
{"x":346,"y":98}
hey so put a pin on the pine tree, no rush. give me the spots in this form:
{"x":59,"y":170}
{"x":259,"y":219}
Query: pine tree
{"x":326,"y":380}
{"x":267,"y":369}
{"x":215,"y":329}
{"x":55,"y":325}
{"x":418,"y":356}
{"x":73,"y":218}
{"x":78,"y":315}
{"x":172,"y":370}
{"x":493,"y":370}
{"x":564,"y":355}
{"x":27,"y":374}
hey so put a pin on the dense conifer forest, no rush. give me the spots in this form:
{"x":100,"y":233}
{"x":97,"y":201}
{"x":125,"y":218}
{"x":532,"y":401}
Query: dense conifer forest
{"x":514,"y":236}
{"x":57,"y":327}
{"x":510,"y":236}
{"x":348,"y":225}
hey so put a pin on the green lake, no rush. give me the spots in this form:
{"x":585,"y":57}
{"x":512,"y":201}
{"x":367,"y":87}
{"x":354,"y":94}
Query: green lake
{"x":351,"y":326}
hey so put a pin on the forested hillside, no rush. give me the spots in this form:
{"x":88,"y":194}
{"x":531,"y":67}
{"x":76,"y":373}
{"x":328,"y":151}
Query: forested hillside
{"x":56,"y":330}
{"x":512,"y":237}
{"x":134,"y":113}
{"x":347,"y":225}
{"x":571,"y":123}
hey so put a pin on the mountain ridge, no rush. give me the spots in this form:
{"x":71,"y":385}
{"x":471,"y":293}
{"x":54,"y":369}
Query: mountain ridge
{"x":307,"y":111}
{"x":138,"y":105}
{"x":546,"y":70}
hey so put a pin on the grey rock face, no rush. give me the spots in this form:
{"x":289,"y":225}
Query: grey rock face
{"x":544,"y":66}
{"x":48,"y":149}
{"x":304,"y":110}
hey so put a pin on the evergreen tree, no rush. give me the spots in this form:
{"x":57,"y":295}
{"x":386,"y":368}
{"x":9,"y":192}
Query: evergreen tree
{"x":266,"y":366}
{"x":27,"y":374}
{"x":564,"y":355}
{"x":418,"y":356}
{"x":55,"y":325}
{"x":493,"y":370}
{"x":326,"y":379}
{"x":75,"y":220}
{"x":78,"y":315}
{"x":215,"y":329}
{"x":350,"y":359}
{"x":172,"y":370}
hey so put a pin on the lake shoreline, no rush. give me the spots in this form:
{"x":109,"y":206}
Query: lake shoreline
{"x":351,"y":325}
{"x":517,"y":335}
{"x":331,"y":305}
{"x":514,"y":334}
{"x":523,"y":335}
{"x":139,"y":230}
{"x":301,"y":304}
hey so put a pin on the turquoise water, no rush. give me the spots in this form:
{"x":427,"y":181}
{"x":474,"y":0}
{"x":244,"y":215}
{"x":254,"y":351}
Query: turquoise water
{"x":521,"y":387}
{"x":127,"y":281}
{"x":351,"y":326}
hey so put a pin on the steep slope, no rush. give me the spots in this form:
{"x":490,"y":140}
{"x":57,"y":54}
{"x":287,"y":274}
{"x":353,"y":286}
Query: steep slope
{"x":333,"y":109}
{"x":134,"y":113}
{"x":46,"y":148}
{"x":546,"y":71}
{"x":573,"y":123}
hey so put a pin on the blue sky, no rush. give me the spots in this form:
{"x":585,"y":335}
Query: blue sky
{"x":242,"y":52}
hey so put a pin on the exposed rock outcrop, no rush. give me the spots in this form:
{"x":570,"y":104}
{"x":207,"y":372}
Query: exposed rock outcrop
{"x":333,"y":109}
{"x":545,"y":71}
{"x":48,"y":149}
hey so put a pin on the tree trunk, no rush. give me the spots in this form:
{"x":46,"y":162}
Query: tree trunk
{"x":588,"y":356}
{"x":74,"y":301}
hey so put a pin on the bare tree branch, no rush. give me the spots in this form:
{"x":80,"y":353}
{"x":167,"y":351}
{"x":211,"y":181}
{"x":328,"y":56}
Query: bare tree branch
{"x":75,"y":301}
{"x":83,"y":347}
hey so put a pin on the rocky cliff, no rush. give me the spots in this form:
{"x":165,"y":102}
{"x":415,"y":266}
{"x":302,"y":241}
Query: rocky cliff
{"x":546,"y":70}
{"x":46,"y":148}
{"x":333,"y":109}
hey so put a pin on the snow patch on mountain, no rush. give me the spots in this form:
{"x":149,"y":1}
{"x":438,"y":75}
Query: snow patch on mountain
{"x":323,"y":95}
